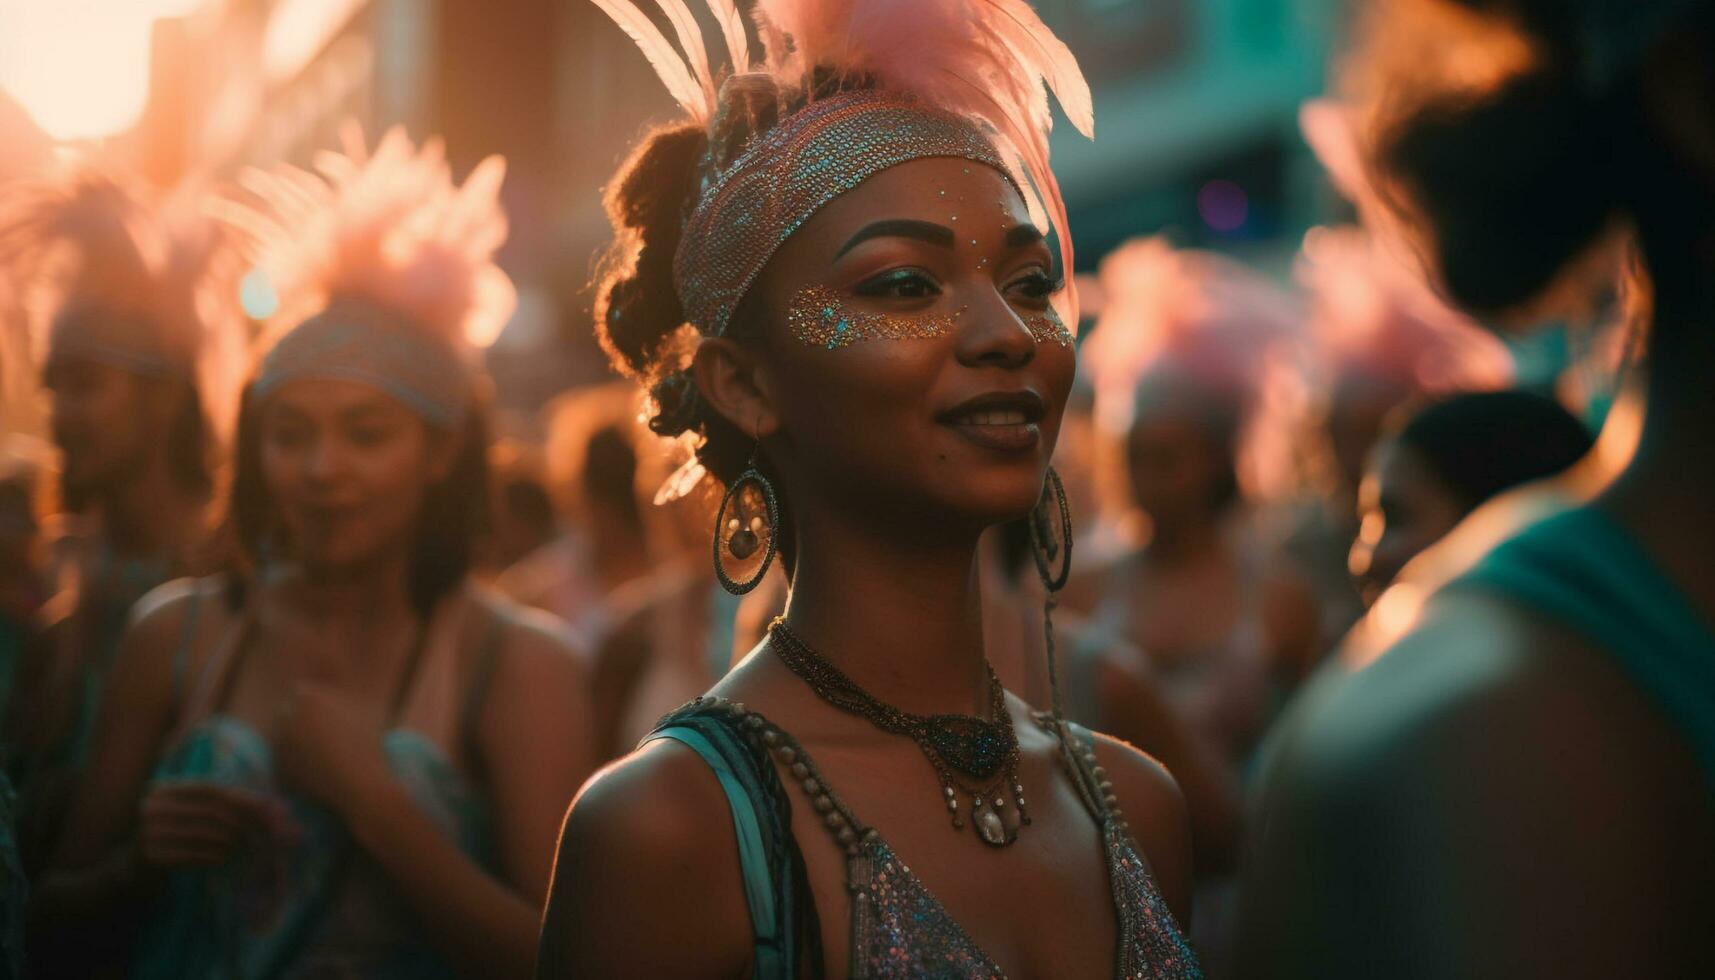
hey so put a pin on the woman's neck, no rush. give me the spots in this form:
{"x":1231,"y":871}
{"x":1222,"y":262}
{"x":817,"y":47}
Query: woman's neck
{"x":1181,"y":541}
{"x":900,"y":614}
{"x":151,"y":513}
{"x":370,"y":592}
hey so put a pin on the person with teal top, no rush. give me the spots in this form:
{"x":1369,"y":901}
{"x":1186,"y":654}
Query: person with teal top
{"x":828,"y":275}
{"x":1511,"y":770}
{"x":342,"y":758}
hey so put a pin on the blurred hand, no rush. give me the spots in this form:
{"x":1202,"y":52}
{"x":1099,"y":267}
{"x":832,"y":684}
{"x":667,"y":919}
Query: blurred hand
{"x":199,"y":824}
{"x":328,"y":744}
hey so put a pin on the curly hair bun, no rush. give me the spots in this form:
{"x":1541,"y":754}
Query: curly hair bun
{"x":637,"y":310}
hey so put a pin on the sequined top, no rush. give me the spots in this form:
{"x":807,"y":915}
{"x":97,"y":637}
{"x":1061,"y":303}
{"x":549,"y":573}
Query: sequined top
{"x":899,"y":929}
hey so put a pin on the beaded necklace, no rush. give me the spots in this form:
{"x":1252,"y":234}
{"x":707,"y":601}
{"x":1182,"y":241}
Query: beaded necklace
{"x":972,"y":757}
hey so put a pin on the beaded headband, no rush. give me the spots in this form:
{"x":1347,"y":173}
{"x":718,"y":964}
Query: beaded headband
{"x":129,"y":341}
{"x":931,"y":78}
{"x":358,"y":341}
{"x":813,"y":156}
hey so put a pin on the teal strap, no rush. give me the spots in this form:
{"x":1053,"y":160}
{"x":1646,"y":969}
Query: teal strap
{"x":1581,"y":569}
{"x":752,"y":855}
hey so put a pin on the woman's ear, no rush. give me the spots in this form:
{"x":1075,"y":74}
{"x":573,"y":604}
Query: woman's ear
{"x":732,"y":380}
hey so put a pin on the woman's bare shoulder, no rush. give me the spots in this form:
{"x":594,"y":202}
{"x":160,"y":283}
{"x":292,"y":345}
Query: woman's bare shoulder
{"x":1154,"y":809}
{"x":1469,"y":766}
{"x":648,"y":840}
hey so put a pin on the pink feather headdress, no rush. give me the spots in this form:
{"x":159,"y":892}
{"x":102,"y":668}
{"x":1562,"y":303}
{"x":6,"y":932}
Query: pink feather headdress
{"x":102,"y":267}
{"x":1208,"y":318}
{"x":388,"y":227}
{"x":384,"y":268}
{"x":1374,"y":309}
{"x":1373,"y":314}
{"x":988,"y":62}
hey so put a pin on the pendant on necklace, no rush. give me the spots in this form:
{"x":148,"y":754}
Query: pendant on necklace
{"x":986,"y":820}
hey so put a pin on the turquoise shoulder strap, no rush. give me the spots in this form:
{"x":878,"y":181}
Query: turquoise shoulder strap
{"x":1580,"y":568}
{"x":763,"y":837}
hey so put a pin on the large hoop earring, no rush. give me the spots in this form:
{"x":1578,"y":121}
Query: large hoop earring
{"x":1048,"y":545}
{"x":743,"y":533}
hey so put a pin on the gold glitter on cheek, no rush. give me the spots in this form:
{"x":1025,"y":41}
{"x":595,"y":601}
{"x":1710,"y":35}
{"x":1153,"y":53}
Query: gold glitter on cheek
{"x":818,"y":317}
{"x":1046,"y":326}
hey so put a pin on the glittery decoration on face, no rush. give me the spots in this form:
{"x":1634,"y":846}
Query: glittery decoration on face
{"x":819,"y":317}
{"x":1046,"y":326}
{"x":747,"y":212}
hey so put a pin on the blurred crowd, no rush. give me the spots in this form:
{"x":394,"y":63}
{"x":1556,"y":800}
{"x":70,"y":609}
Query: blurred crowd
{"x":1251,"y":461}
{"x":1252,"y":458}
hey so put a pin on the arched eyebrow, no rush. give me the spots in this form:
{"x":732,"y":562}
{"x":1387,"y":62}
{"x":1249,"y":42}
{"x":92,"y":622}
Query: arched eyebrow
{"x":1020,"y":236}
{"x":923,"y":231}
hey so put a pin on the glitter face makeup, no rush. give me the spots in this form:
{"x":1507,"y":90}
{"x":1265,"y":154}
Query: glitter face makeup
{"x":1046,"y":326}
{"x":819,"y":317}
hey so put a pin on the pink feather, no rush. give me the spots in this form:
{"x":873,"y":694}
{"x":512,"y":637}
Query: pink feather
{"x":1028,"y":36}
{"x":390,"y":227}
{"x":732,"y":28}
{"x":667,"y":62}
{"x":691,"y":40}
{"x":993,"y":60}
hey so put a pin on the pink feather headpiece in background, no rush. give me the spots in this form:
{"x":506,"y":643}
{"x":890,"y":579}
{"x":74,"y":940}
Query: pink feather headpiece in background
{"x":384,"y":268}
{"x":101,"y":266}
{"x":1374,"y":311}
{"x":1207,"y":318}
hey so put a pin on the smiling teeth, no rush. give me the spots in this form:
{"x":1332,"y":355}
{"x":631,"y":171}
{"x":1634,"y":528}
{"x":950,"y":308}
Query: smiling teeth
{"x":995,"y":418}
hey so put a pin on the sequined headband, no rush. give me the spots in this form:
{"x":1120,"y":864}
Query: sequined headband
{"x":356,"y":341}
{"x":128,"y":341}
{"x":811,"y":157}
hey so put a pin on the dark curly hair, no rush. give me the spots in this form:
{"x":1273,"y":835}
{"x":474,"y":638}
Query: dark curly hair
{"x":638,"y":318}
{"x":1509,"y":184}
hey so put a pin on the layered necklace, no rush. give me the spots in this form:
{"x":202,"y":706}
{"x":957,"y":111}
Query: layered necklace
{"x":974,"y":758}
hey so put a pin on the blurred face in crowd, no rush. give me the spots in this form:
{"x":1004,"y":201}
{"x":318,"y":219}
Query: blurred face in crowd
{"x":106,"y":421}
{"x":912,"y":357}
{"x":1403,"y":508}
{"x":347,"y":468}
{"x":1179,"y":464}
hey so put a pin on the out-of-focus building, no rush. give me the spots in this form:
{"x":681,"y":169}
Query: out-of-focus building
{"x":1196,"y":122}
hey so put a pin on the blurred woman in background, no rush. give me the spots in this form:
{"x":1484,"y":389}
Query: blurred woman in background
{"x":590,"y":462}
{"x":1380,"y":339}
{"x":344,"y":759}
{"x":1178,"y":358}
{"x":139,"y":344}
{"x":1521,"y":784}
{"x":1445,"y":462}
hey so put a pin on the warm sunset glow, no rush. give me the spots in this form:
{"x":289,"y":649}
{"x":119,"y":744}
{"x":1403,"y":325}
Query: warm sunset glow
{"x":80,"y":68}
{"x":297,"y":29}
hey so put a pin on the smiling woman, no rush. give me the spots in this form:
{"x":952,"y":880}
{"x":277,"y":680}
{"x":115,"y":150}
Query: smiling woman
{"x":831,"y":279}
{"x":346,"y":740}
